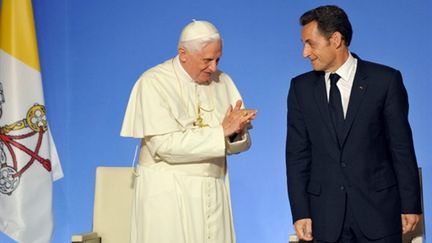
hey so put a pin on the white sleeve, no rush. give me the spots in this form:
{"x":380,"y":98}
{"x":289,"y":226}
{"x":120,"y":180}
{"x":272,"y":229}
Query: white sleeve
{"x":238,"y":144}
{"x":190,"y":145}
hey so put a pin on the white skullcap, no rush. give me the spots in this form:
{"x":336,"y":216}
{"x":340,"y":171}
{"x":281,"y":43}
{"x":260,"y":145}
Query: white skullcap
{"x":198,"y":29}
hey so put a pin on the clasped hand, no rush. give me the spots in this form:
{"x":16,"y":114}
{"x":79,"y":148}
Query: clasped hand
{"x":237,"y":119}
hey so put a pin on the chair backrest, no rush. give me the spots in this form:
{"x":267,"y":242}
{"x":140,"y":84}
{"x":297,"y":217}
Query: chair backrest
{"x":113,"y":203}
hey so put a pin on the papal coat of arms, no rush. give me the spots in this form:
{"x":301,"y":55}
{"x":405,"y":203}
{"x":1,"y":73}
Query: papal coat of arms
{"x":32,"y":127}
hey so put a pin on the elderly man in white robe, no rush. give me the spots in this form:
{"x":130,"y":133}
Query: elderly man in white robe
{"x":190,"y":116}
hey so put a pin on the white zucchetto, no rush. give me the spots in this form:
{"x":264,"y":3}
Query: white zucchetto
{"x":198,"y":29}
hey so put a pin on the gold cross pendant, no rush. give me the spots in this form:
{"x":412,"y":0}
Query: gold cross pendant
{"x":199,"y":120}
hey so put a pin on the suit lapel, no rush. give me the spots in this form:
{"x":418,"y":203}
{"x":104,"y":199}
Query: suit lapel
{"x":357,"y":95}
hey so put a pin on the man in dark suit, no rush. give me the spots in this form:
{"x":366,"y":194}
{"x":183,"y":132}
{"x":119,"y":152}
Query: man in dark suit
{"x":351,"y":167}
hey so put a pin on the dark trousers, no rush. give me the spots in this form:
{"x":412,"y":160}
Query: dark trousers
{"x":351,"y":232}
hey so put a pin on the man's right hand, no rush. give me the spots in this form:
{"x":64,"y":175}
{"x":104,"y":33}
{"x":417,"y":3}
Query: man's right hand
{"x":303,"y":228}
{"x":237,"y":119}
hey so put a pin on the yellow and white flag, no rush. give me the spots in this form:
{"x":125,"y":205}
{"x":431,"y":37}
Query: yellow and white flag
{"x":28,"y":158}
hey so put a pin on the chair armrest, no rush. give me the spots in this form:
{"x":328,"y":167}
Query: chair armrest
{"x":293,"y":239}
{"x":418,"y":239}
{"x":90,"y":237}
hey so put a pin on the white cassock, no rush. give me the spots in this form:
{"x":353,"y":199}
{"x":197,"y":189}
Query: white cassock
{"x":182,"y":191}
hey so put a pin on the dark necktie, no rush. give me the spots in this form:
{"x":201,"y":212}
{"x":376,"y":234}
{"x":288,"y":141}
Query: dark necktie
{"x":335,"y":107}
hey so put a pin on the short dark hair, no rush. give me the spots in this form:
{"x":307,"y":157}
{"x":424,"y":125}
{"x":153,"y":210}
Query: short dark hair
{"x":330,"y":19}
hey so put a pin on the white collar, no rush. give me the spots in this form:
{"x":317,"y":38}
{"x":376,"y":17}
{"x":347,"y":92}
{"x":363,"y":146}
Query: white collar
{"x":345,"y":70}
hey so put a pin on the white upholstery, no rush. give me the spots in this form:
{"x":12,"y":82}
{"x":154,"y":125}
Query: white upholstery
{"x":112,"y":206}
{"x":293,"y":239}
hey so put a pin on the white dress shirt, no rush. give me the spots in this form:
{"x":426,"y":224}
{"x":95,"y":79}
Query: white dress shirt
{"x":346,"y":73}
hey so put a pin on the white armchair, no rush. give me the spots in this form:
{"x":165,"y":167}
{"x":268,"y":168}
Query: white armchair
{"x":112,"y":206}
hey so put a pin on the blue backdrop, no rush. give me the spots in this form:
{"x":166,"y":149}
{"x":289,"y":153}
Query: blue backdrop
{"x":93,"y":51}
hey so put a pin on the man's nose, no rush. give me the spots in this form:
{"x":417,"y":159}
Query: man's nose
{"x":213,"y":66}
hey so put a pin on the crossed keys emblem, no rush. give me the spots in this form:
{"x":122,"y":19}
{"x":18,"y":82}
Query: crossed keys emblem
{"x":33,"y":125}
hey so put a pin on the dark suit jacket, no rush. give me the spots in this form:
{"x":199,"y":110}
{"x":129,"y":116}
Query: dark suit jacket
{"x":375,"y":168}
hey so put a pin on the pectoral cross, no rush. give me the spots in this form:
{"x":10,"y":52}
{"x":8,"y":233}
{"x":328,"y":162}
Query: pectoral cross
{"x":199,"y":122}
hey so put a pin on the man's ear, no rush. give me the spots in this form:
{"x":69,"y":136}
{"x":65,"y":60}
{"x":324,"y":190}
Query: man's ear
{"x":182,"y":54}
{"x":336,"y":39}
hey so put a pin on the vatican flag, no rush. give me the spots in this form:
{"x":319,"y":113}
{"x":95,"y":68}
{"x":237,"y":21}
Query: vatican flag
{"x":28,"y":158}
